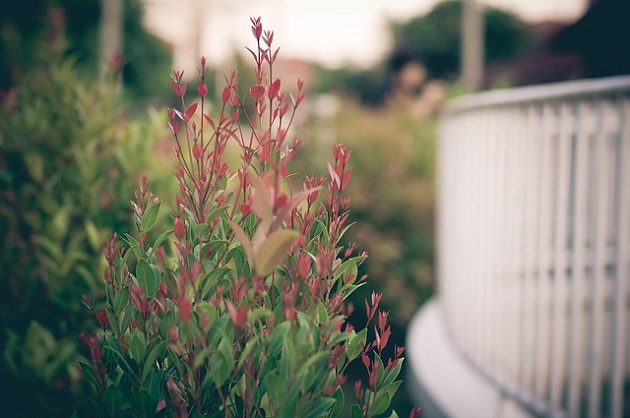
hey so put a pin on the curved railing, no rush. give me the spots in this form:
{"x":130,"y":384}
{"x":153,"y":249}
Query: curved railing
{"x":534,"y":242}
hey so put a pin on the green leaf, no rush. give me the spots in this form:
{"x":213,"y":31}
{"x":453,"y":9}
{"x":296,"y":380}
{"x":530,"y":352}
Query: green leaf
{"x":138,"y":347}
{"x":155,"y":353}
{"x":320,"y":408}
{"x":160,"y":239}
{"x":222,"y":360}
{"x":381,"y":403}
{"x":381,"y":369}
{"x":278,"y":335}
{"x":356,"y":411}
{"x":146,"y":403}
{"x":394,"y":415}
{"x":88,"y":372}
{"x":276,"y":388}
{"x":340,"y":401}
{"x":210,"y":280}
{"x":252,"y":345}
{"x":356,"y":344}
{"x":114,"y":400}
{"x":322,"y":312}
{"x":49,"y":245}
{"x":244,"y":240}
{"x":258,"y":313}
{"x":146,"y":277}
{"x":392,"y":388}
{"x":134,"y":247}
{"x":121,"y":298}
{"x":34,"y":163}
{"x":274,"y":249}
{"x":95,"y":237}
{"x":150,"y":217}
{"x":348,"y":266}
{"x":96,"y":409}
{"x":393,"y":373}
{"x":201,"y":357}
{"x":309,"y":364}
{"x":220,"y":368}
{"x":125,"y":320}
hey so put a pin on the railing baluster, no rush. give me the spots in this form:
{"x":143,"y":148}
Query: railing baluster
{"x":560,"y":312}
{"x":577,"y":372}
{"x":622,"y":278}
{"x":534,"y":239}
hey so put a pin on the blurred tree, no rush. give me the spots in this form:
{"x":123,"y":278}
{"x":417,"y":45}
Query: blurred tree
{"x":145,"y":58}
{"x":365,"y":85}
{"x":435,"y":38}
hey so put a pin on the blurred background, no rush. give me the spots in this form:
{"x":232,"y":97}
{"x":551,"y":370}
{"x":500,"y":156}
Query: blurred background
{"x":83,"y":90}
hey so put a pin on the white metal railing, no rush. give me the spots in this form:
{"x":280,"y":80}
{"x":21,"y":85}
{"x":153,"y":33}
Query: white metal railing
{"x":534,"y":242}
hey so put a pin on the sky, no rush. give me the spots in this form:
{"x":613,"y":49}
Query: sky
{"x":331,"y":32}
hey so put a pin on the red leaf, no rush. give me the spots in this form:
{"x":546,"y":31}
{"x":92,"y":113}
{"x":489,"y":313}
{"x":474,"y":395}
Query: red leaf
{"x":274,"y":88}
{"x":225,"y":96}
{"x":180,"y":90}
{"x":210,"y":121}
{"x":300,"y":98}
{"x":185,"y":309}
{"x":197,"y":151}
{"x":176,"y":89}
{"x":275,"y":54}
{"x":238,"y":316}
{"x":283,"y":109}
{"x":191,"y":111}
{"x":257,"y":92}
{"x":202,"y":89}
{"x":179,"y":228}
{"x":346,"y":178}
{"x":334,"y":177}
{"x":174,"y":127}
{"x":251,"y":52}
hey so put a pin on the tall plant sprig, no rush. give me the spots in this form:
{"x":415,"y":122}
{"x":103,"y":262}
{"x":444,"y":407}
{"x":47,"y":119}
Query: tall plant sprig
{"x":238,"y":310}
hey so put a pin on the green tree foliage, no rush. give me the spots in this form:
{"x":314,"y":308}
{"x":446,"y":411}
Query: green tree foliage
{"x":435,"y":38}
{"x":68,"y":157}
{"x":366,"y":85}
{"x":22,"y":23}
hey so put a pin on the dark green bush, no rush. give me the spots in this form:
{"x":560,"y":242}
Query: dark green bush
{"x":68,"y":163}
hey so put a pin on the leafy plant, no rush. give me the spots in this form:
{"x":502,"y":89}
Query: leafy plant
{"x":240,"y":308}
{"x":69,"y":158}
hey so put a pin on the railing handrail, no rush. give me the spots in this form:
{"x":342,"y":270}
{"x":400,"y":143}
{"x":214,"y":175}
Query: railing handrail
{"x":542,"y":92}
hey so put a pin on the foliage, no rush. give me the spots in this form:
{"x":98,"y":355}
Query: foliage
{"x":369,"y":86}
{"x":23,"y":23}
{"x":68,"y":157}
{"x":238,"y":310}
{"x":393,"y":198}
{"x":435,"y":38}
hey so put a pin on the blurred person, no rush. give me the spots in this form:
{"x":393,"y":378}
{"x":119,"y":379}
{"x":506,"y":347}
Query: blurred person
{"x":412,"y":88}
